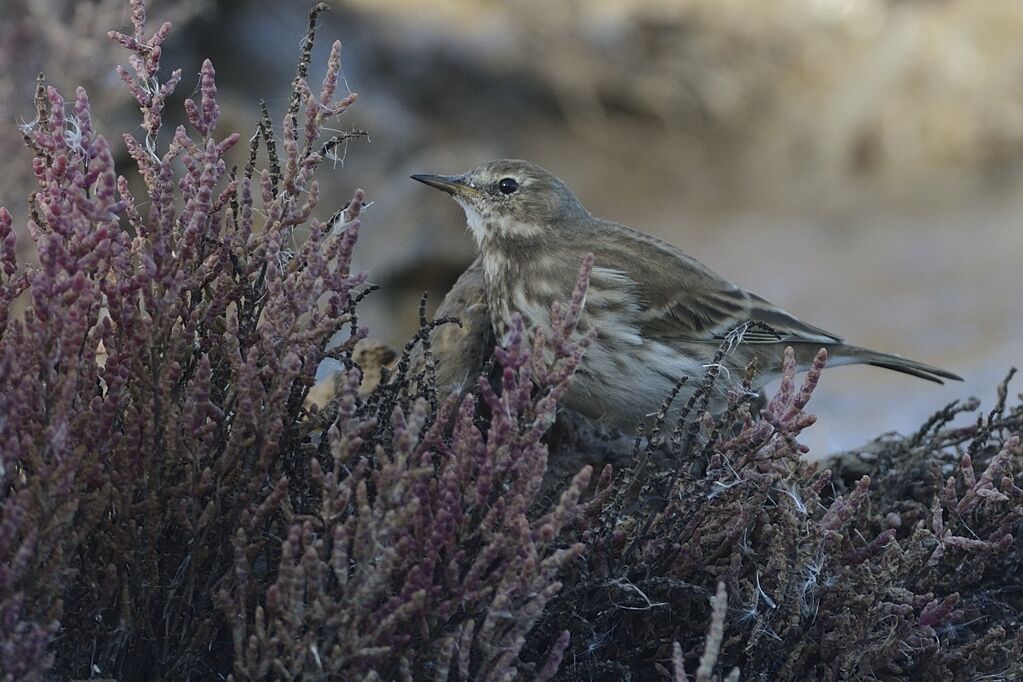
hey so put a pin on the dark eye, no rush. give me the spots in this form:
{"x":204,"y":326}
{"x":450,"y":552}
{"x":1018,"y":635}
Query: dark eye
{"x":507,"y":185}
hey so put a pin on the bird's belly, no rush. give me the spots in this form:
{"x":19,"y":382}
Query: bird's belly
{"x":624,"y":384}
{"x":623,"y":378}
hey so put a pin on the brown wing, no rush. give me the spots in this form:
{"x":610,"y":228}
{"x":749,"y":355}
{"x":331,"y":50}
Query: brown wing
{"x":681,"y":299}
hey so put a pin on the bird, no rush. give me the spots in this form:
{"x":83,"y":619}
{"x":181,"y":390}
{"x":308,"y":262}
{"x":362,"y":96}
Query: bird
{"x":659,"y":314}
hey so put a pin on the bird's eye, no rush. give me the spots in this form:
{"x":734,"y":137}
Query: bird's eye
{"x":508,"y":185}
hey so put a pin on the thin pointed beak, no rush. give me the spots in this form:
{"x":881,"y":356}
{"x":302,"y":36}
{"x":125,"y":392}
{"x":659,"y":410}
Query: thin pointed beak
{"x":452,"y":184}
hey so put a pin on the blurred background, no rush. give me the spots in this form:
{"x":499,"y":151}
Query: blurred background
{"x":858,"y":162}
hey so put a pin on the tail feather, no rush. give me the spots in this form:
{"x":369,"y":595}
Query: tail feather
{"x":854,"y":355}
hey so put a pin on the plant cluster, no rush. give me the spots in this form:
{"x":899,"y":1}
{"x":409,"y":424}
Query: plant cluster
{"x":897,"y":563}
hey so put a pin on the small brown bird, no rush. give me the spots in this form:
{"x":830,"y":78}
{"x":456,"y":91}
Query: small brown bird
{"x":659,"y":313}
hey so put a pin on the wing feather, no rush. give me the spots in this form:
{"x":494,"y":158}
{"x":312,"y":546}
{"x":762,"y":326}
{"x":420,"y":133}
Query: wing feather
{"x":680,"y":299}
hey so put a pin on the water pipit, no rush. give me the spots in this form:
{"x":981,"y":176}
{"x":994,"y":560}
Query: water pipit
{"x":660,"y":314}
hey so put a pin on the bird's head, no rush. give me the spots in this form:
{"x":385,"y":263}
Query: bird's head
{"x":509,"y":198}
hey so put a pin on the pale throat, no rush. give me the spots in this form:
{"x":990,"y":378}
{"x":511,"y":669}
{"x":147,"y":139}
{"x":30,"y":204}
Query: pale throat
{"x":475,"y":221}
{"x":495,"y":224}
{"x":504,"y":284}
{"x":505,"y":281}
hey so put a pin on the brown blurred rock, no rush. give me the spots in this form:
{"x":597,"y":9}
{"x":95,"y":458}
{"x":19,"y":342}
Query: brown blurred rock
{"x":459,"y":351}
{"x":371,"y":355}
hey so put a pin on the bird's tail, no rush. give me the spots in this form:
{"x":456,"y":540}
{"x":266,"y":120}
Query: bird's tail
{"x":841,"y":354}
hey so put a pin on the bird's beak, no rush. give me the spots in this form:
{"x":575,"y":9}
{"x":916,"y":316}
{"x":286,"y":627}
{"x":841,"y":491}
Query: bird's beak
{"x":454,"y":185}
